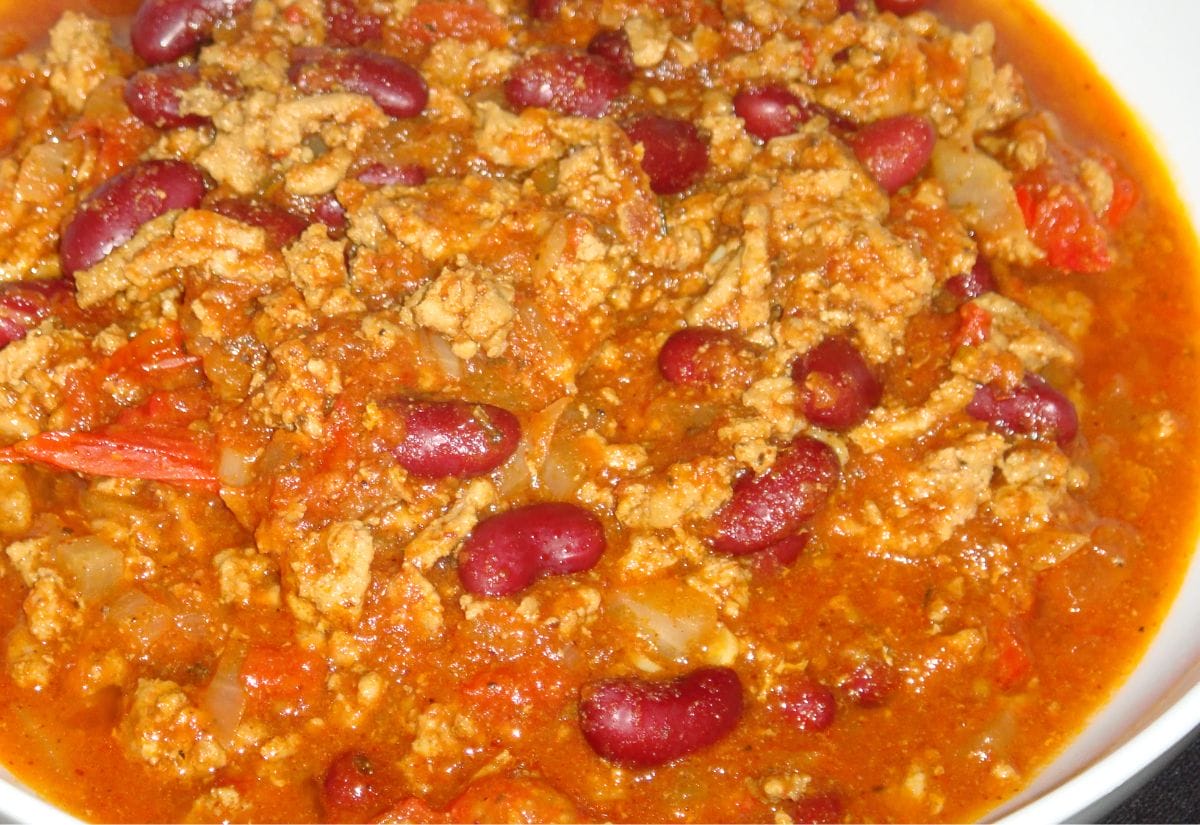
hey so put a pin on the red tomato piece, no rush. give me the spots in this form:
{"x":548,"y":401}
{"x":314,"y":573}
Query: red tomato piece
{"x":1061,"y":222}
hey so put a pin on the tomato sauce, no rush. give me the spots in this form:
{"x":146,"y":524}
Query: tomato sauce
{"x":874,"y":678}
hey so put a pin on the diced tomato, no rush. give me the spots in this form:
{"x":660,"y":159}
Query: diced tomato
{"x":1125,"y":194}
{"x":168,"y":408}
{"x":1013,"y":666}
{"x":175,"y":456}
{"x":434,"y":20}
{"x":1061,"y":222}
{"x":288,"y":675}
{"x":974,"y":325}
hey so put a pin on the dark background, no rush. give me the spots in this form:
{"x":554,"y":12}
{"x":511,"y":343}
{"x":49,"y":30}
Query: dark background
{"x":1171,"y":796}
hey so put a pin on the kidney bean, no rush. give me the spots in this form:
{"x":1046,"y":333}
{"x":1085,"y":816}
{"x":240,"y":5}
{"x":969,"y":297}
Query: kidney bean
{"x":613,"y":45}
{"x":348,"y":787}
{"x":544,"y":10}
{"x":166,"y":30}
{"x":1034,"y":409}
{"x":383,"y":174}
{"x":112,"y":214}
{"x":323,"y":209}
{"x":835,"y":386}
{"x":871,"y":684}
{"x":397,"y":87}
{"x":507,"y":552}
{"x":766,"y":507}
{"x":282,"y":227}
{"x":770,"y":111}
{"x":901,"y":7}
{"x":806,"y":703}
{"x":24,"y":303}
{"x":570,"y":83}
{"x":782,"y":553}
{"x":698,"y":356}
{"x":153,"y":96}
{"x":454,"y":438}
{"x":894,"y":150}
{"x":643,"y":723}
{"x":674,"y":156}
{"x":347,"y":24}
{"x":972,"y":284}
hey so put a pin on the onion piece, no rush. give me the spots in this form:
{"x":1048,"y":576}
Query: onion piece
{"x":140,"y":616}
{"x":678,"y":623}
{"x":93,"y":566}
{"x":225,"y":697}
{"x":235,"y":469}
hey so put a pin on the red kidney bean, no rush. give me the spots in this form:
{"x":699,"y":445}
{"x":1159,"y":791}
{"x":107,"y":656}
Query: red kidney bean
{"x":397,"y":87}
{"x":112,"y":214}
{"x":894,"y":150}
{"x":347,"y":24}
{"x":972,"y":284}
{"x":282,"y":227}
{"x":901,"y":7}
{"x":544,"y":10}
{"x":806,"y":703}
{"x":570,"y":83}
{"x":324,"y":209}
{"x":507,"y":552}
{"x":383,"y":174}
{"x":871,"y":684}
{"x":770,"y":111}
{"x":766,"y":507}
{"x":673,"y":154}
{"x":153,"y":96}
{"x":613,"y":45}
{"x":25,"y":303}
{"x":454,"y":438}
{"x":847,"y":6}
{"x":643,"y":723}
{"x":698,"y":356}
{"x":835,"y":386}
{"x":166,"y":30}
{"x":782,"y":553}
{"x":1034,"y":409}
{"x":817,"y":809}
{"x":348,"y":787}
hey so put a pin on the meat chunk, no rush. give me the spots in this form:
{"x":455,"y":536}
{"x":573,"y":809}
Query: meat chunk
{"x":470,"y":306}
{"x":166,"y":731}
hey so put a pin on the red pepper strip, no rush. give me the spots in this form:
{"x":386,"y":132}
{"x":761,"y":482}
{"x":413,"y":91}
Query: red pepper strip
{"x":175,"y":456}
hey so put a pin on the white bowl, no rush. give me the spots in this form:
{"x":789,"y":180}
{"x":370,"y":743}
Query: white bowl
{"x":1147,"y":51}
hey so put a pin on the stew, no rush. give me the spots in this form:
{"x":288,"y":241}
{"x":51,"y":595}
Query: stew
{"x":576,"y":409}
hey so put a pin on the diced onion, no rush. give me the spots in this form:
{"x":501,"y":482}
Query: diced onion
{"x":436,"y":349}
{"x":93,"y":566}
{"x":140,"y":616}
{"x":225,"y":697}
{"x":674,"y":619}
{"x":234,"y":468}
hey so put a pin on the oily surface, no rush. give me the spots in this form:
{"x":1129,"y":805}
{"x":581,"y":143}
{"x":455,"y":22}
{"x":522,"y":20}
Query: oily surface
{"x":966,"y":594}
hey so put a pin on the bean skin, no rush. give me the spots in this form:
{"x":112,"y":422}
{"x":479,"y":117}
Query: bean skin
{"x":153,"y":96}
{"x":567,"y":82}
{"x":282,"y":227}
{"x":871,"y":684}
{"x":767,"y":507}
{"x":835,"y":386}
{"x":23,"y":304}
{"x":972,"y":284}
{"x":507,"y":552}
{"x":114,"y":212}
{"x":1032,"y":409}
{"x":544,"y":10}
{"x":396,"y":87}
{"x":674,"y":156}
{"x":166,"y":30}
{"x":641,"y":724}
{"x":348,"y":788}
{"x":454,"y":438}
{"x":770,"y":111}
{"x":894,"y":150}
{"x":383,"y":174}
{"x":698,"y":356}
{"x":807,"y":704}
{"x":613,"y":45}
{"x":817,"y":809}
{"x":781,"y":554}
